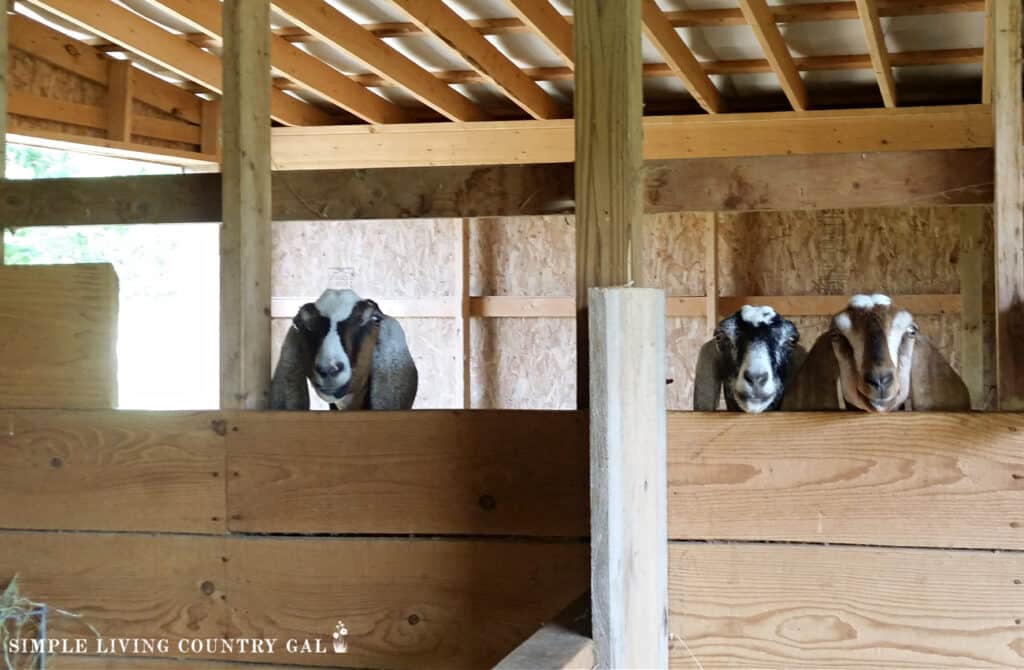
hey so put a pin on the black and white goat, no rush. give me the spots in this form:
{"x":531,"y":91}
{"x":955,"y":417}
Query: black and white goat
{"x":353,"y":354}
{"x":751,"y":358}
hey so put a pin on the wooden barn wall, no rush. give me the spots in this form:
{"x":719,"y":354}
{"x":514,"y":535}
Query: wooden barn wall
{"x":520,"y":363}
{"x":32,"y":75}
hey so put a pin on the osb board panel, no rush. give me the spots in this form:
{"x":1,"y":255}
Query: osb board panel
{"x":112,"y":470}
{"x":520,"y":363}
{"x":410,"y":258}
{"x":764,"y":606}
{"x":60,"y":336}
{"x":441,"y":472}
{"x":406,"y":603}
{"x":907,"y":479}
{"x":432,"y":343}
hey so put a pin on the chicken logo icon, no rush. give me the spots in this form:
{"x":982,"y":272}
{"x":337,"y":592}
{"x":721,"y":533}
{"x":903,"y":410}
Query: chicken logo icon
{"x":340,"y":636}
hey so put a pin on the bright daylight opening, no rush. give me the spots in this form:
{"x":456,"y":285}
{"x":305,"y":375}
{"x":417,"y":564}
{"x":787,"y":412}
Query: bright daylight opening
{"x":167,"y":347}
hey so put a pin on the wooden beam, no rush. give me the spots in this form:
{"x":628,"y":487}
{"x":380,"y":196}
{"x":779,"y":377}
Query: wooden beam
{"x":757,"y":606}
{"x":209,"y":128}
{"x":923,"y":179}
{"x":1009,"y":206}
{"x":762,"y":22}
{"x":679,"y":58}
{"x":462,"y":281}
{"x":27,"y":133}
{"x":146,"y":39}
{"x":711,"y":273}
{"x":437,"y":18}
{"x":78,"y":57}
{"x":120,"y":92}
{"x":334,"y":28}
{"x":988,"y":57}
{"x":972,"y":302}
{"x":729,"y":472}
{"x":245,"y":233}
{"x":4,"y":54}
{"x":628,"y":480}
{"x":562,"y":644}
{"x":543,"y":19}
{"x":305,"y":70}
{"x":868,"y":10}
{"x":664,"y":137}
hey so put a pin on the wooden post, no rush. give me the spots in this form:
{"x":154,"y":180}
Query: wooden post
{"x":711,"y":273}
{"x":1009,"y":205}
{"x":462,"y":283}
{"x":628,"y":480}
{"x":245,"y":233}
{"x":119,"y":100}
{"x":609,"y":162}
{"x":3,"y":105}
{"x":972,"y":302}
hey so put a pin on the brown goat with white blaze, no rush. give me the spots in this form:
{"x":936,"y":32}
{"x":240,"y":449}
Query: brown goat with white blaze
{"x":874,"y":358}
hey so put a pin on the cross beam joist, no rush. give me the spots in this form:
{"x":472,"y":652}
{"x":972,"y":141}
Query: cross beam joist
{"x":923,"y":178}
{"x":668,"y":137}
{"x":147,"y":40}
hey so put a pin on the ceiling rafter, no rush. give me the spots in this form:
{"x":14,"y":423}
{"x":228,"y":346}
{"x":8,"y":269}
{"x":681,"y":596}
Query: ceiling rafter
{"x":141,"y":37}
{"x":334,"y":28}
{"x":868,"y":10}
{"x":762,"y":22}
{"x":544,"y":20}
{"x":437,"y":18}
{"x":305,"y":70}
{"x":679,"y":58}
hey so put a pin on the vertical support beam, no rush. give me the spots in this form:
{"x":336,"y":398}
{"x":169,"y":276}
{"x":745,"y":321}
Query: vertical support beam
{"x":987,"y":55}
{"x":462,"y":282}
{"x":1009,"y":205}
{"x":209,"y":127}
{"x":972,"y":302}
{"x":3,"y":105}
{"x":245,"y":233}
{"x":711,"y":273}
{"x":119,"y":100}
{"x":628,"y":480}
{"x":609,"y":163}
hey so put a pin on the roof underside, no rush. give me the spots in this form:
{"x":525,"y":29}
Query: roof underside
{"x":934,"y":50}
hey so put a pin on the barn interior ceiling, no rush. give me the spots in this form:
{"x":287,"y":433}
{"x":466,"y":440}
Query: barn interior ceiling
{"x":390,"y":61}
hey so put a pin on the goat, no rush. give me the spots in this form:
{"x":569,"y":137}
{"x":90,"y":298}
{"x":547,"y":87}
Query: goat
{"x":750,"y":359}
{"x":353,"y":354}
{"x":874,"y":358}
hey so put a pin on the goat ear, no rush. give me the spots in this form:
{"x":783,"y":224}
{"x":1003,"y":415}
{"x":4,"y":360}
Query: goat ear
{"x":934,"y":384}
{"x":288,"y":387}
{"x":813,"y":385}
{"x":393,"y":378}
{"x":707,"y":382}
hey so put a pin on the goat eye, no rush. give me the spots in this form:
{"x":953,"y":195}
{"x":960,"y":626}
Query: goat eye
{"x":375,"y":318}
{"x":912,"y":331}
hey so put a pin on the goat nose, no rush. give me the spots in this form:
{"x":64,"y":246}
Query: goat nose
{"x":331,"y":370}
{"x":755,"y":379}
{"x":878,"y":379}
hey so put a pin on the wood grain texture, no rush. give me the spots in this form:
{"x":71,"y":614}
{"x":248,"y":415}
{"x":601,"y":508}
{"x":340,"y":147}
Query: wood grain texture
{"x":67,"y":662}
{"x":406,"y":603}
{"x":123,"y":471}
{"x":880,"y":62}
{"x":973,"y":349}
{"x":762,"y":22}
{"x":628,"y":477}
{"x":245,"y":234}
{"x":774,"y":607}
{"x":60,"y":336}
{"x":480,"y":472}
{"x":953,"y":177}
{"x":1009,"y":206}
{"x":679,"y":58}
{"x":120,"y":91}
{"x":931,"y":480}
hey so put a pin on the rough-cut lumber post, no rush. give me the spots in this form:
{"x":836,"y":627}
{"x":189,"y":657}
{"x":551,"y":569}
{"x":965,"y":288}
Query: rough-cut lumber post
{"x":3,"y":107}
{"x":972,"y":302}
{"x":609,"y":160}
{"x":462,"y":281}
{"x":119,"y":100}
{"x":1009,"y":206}
{"x":245,"y":233}
{"x":711,"y":274}
{"x":628,"y":482}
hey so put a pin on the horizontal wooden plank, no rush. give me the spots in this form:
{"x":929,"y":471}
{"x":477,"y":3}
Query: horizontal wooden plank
{"x":26,"y":133}
{"x":70,"y":662}
{"x":60,"y":336}
{"x":665,"y":137}
{"x":466,"y":472}
{"x":760,"y":606}
{"x":113,"y":470}
{"x":405,"y":603}
{"x":409,"y":308}
{"x":733,"y":184}
{"x":906,"y":479}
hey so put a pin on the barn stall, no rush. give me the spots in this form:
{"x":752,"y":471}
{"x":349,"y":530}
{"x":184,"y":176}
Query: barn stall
{"x":406,"y":150}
